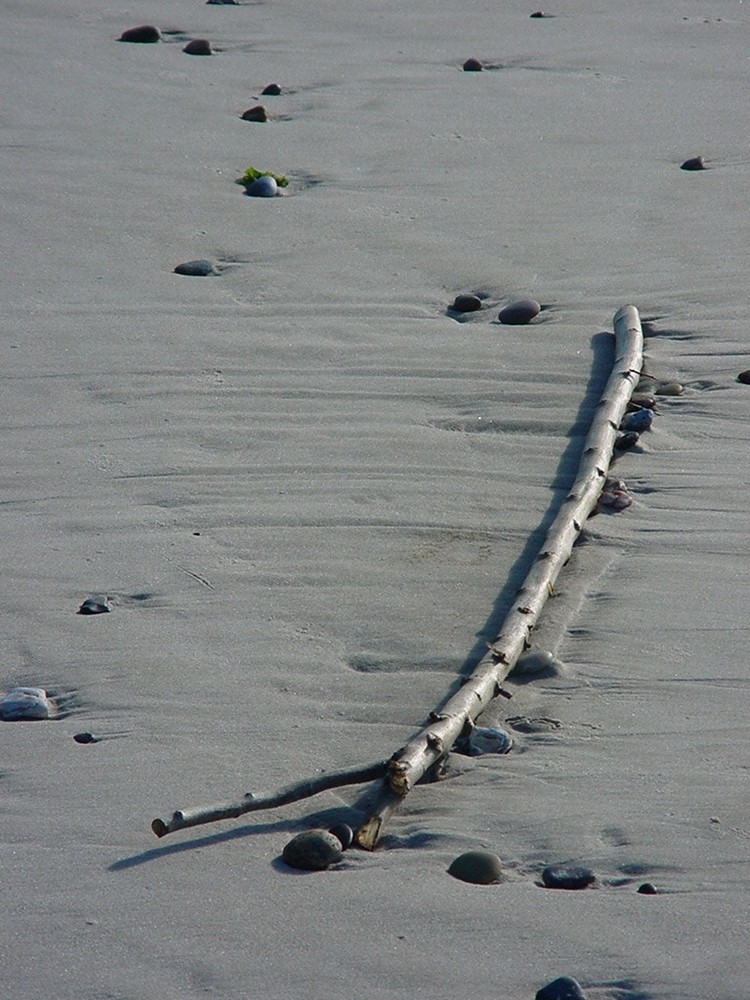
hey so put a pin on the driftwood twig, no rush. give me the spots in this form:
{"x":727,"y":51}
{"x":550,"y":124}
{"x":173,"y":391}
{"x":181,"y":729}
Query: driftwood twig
{"x":410,"y":763}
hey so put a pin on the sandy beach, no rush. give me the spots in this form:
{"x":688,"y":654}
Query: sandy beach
{"x":309,"y":491}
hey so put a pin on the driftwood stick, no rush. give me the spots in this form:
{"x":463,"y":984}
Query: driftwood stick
{"x":411,"y":762}
{"x":304,"y":789}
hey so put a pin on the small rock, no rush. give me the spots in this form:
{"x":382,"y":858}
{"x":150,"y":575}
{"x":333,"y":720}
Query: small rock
{"x":314,"y":850}
{"x":144,"y":33}
{"x":85,"y":738}
{"x":477,"y":867}
{"x":196,"y":268}
{"x":669,"y":389}
{"x":488,"y":739}
{"x":224,"y":3}
{"x":465,"y":303}
{"x":627,"y":440}
{"x":95,"y":606}
{"x":534,"y":662}
{"x":638,"y":420}
{"x":694,"y":163}
{"x":26,"y":704}
{"x":539,"y":13}
{"x":255,"y":114}
{"x":272,"y":90}
{"x":647,"y":889}
{"x":519,"y":313}
{"x":344,"y":834}
{"x":198,"y":47}
{"x":263,"y":187}
{"x":641,"y":400}
{"x":744,"y":377}
{"x":563,"y":988}
{"x":567,"y":877}
{"x":472,"y":66}
{"x":540,"y":724}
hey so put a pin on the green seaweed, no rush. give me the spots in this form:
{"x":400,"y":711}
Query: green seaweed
{"x":251,"y":174}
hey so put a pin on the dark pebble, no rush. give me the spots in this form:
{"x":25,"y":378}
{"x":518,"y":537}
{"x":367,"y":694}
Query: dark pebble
{"x":627,"y":440}
{"x":647,"y":889}
{"x":256,"y":114}
{"x":196,"y":268}
{"x":85,"y":738}
{"x":314,"y":850}
{"x":744,"y":377}
{"x":472,"y":66}
{"x":145,"y":33}
{"x":224,"y":3}
{"x":641,"y":400}
{"x":94,"y":606}
{"x":466,"y":303}
{"x":567,"y":877}
{"x":343,"y":833}
{"x":519,"y":313}
{"x":694,"y":163}
{"x":563,"y":988}
{"x":539,"y":13}
{"x":272,"y":90}
{"x":477,"y":867}
{"x":198,"y":47}
{"x":639,"y":420}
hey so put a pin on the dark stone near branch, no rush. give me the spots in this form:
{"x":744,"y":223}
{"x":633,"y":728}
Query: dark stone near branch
{"x":343,"y":833}
{"x":314,"y":850}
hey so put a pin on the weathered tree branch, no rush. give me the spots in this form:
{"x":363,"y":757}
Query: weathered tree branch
{"x":410,"y":763}
{"x":304,"y":789}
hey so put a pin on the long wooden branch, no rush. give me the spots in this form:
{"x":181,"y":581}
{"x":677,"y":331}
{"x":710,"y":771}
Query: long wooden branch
{"x":423,"y":751}
{"x":250,"y":802}
{"x":410,"y":763}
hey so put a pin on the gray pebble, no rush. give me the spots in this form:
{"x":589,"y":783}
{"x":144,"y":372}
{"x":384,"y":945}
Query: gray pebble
{"x":26,"y":704}
{"x":263,"y":187}
{"x":314,"y":850}
{"x":488,"y":740}
{"x":198,"y":47}
{"x":534,"y":662}
{"x":196,"y":268}
{"x":563,"y":988}
{"x":567,"y":877}
{"x":95,"y":606}
{"x":466,"y":303}
{"x":519,"y":313}
{"x":477,"y":867}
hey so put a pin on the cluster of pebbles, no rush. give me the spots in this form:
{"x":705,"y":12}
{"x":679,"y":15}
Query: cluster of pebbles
{"x":517,"y":313}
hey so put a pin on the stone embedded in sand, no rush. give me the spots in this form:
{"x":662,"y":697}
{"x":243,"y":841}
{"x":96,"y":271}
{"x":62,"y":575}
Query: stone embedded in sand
{"x":263,"y":187}
{"x":563,"y":988}
{"x":473,"y":66}
{"x":519,"y":313}
{"x":488,"y":740}
{"x":98,"y":605}
{"x":255,"y":114}
{"x":694,"y":163}
{"x":223,"y":3}
{"x":567,"y":877}
{"x":647,"y":889}
{"x":638,"y":420}
{"x":627,"y":440}
{"x":534,"y":662}
{"x":196,"y":268}
{"x":26,"y":704}
{"x":744,"y":377}
{"x":539,"y":13}
{"x":466,"y":303}
{"x":144,"y":33}
{"x":641,"y":400}
{"x":477,"y":867}
{"x":313,"y":850}
{"x":198,"y":47}
{"x":669,"y":389}
{"x":272,"y":90}
{"x":343,"y":833}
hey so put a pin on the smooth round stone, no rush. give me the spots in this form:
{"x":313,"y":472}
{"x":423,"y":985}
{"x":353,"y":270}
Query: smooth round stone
{"x":519,"y":313}
{"x":563,"y":988}
{"x":694,"y":163}
{"x":344,"y":834}
{"x":638,"y":420}
{"x":534,"y":662}
{"x":647,"y":889}
{"x":255,"y":114}
{"x":477,"y":867}
{"x":26,"y":704}
{"x":489,"y":739}
{"x":465,"y":304}
{"x":144,"y":33}
{"x":95,"y":606}
{"x":669,"y":389}
{"x":314,"y":850}
{"x":196,"y":268}
{"x":263,"y":187}
{"x":642,"y":400}
{"x":198,"y":47}
{"x":744,"y":377}
{"x":627,"y":440}
{"x":272,"y":90}
{"x":567,"y":877}
{"x":472,"y":66}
